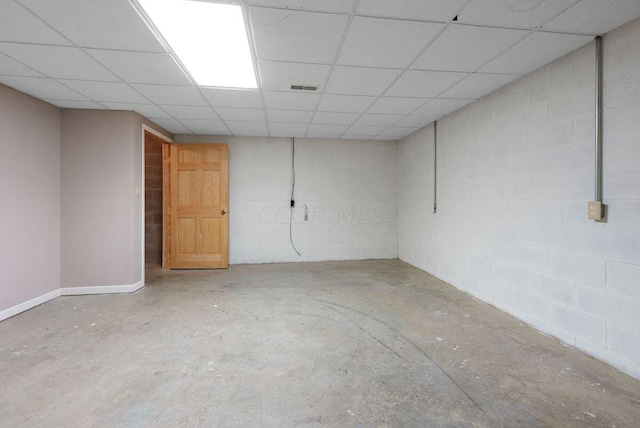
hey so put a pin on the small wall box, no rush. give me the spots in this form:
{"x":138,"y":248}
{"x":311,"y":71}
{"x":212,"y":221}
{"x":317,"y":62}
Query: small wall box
{"x":594,"y":210}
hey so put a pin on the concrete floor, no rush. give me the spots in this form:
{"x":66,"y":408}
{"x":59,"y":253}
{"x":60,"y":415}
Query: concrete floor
{"x":372,"y":344}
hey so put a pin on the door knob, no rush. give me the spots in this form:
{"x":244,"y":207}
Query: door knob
{"x":223,"y":212}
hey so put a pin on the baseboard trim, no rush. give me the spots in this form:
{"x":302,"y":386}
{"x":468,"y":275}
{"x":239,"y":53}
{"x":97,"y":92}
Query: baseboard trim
{"x":103,"y":289}
{"x":25,"y":306}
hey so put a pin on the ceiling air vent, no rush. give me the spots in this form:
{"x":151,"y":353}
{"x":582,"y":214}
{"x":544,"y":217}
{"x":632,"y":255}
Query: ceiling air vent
{"x":304,"y":88}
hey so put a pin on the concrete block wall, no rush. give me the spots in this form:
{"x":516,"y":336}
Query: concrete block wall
{"x":348,"y":186}
{"x":153,"y":200}
{"x":515,"y":172}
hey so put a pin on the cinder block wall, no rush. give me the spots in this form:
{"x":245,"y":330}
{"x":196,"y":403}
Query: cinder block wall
{"x":515,"y":171}
{"x":153,"y":201}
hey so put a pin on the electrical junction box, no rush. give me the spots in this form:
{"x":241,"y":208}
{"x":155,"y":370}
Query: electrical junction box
{"x":594,"y":210}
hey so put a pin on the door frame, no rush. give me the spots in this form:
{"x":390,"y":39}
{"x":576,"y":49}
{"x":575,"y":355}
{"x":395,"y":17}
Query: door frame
{"x":146,"y":128}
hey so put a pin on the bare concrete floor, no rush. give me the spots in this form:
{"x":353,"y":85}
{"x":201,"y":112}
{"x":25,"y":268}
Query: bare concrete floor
{"x":373,"y":343}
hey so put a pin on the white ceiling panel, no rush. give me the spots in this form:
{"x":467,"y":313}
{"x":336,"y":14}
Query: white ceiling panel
{"x":323,"y":136}
{"x":172,"y":95}
{"x":191,"y":112}
{"x":478,"y":85}
{"x":106,"y":24}
{"x":355,"y":137}
{"x":369,"y":131}
{"x":19,"y":25}
{"x":250,"y":114}
{"x":76,"y":104}
{"x":425,"y":84}
{"x":150,"y":111}
{"x":42,"y":88}
{"x":595,"y":16}
{"x":249,"y":129}
{"x":343,"y":6}
{"x":291,"y":100}
{"x":55,"y":61}
{"x":345,"y":103}
{"x":172,"y":126}
{"x":287,"y":129}
{"x":287,"y":35}
{"x":206,"y":127}
{"x":10,"y":67}
{"x":289,"y":116}
{"x":440,"y":107}
{"x":416,"y":121}
{"x":465,"y":47}
{"x":396,"y":105}
{"x":535,"y":51}
{"x":424,"y":10}
{"x":316,"y":128}
{"x":105,"y":91}
{"x":279,"y":76}
{"x":512,"y":13}
{"x":397,"y":133}
{"x":328,"y":118}
{"x":361,"y":80}
{"x":238,"y":98}
{"x":386,"y":43}
{"x":378,"y":119}
{"x":137,"y":67}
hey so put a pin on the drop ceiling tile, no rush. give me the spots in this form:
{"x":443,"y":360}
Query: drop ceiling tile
{"x":396,"y":133}
{"x":345,"y":103}
{"x":287,"y":129}
{"x":595,"y":16}
{"x":190,"y":112}
{"x":327,"y":118}
{"x":513,"y":13}
{"x":172,"y":126}
{"x":150,"y":111}
{"x":378,"y":119}
{"x":323,"y":136}
{"x":319,"y":5}
{"x":139,"y":67}
{"x":423,"y":10}
{"x":473,"y":46}
{"x":84,"y":105}
{"x":249,"y":114}
{"x":112,"y":24}
{"x":386,"y":43}
{"x":425,"y":84}
{"x":316,"y":128}
{"x":287,"y":35}
{"x":172,"y":95}
{"x":478,"y":85}
{"x":238,"y":98}
{"x":19,"y":25}
{"x":370,"y":131}
{"x":248,"y":129}
{"x":361,"y":80}
{"x":42,"y":88}
{"x":416,"y":121}
{"x":396,"y":105}
{"x":279,"y":76}
{"x":355,"y":137}
{"x":291,"y":100}
{"x":206,"y":127}
{"x":535,"y":51}
{"x":10,"y":67}
{"x":289,"y":116}
{"x":440,"y":107}
{"x":58,"y":61}
{"x":105,"y":91}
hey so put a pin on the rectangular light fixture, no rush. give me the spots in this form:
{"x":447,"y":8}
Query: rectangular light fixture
{"x":210,"y":39}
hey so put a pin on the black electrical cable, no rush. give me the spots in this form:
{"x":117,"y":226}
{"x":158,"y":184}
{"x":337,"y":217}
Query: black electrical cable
{"x":293,"y":188}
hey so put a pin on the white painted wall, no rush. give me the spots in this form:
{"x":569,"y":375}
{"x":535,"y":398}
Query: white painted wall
{"x":349,"y":187}
{"x":30,"y":189}
{"x":515,"y":172}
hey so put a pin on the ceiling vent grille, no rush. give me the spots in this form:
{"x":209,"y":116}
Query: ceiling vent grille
{"x":304,"y":88}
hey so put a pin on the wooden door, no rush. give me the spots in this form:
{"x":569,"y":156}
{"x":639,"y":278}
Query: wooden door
{"x":199,"y":205}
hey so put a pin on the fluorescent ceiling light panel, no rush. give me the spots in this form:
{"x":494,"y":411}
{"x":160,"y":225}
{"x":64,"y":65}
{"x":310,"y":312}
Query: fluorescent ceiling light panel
{"x":209,"y":38}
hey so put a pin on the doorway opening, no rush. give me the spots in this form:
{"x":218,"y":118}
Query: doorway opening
{"x":153,"y":200}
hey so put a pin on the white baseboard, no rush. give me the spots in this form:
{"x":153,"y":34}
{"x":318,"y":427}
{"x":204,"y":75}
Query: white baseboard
{"x":103,"y":289}
{"x":25,"y":306}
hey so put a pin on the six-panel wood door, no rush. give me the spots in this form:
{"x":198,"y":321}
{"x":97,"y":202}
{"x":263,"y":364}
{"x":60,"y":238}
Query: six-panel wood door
{"x":199,"y":205}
